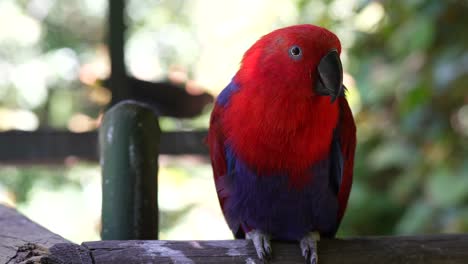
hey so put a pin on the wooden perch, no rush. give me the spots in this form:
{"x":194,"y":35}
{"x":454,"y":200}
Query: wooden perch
{"x":22,"y":240}
{"x":382,"y":250}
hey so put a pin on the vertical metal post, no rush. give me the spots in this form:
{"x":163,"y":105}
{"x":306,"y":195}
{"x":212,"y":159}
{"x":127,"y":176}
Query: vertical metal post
{"x":117,"y":80}
{"x":129,"y":147}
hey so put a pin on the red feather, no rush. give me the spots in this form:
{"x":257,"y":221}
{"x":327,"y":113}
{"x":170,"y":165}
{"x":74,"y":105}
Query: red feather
{"x":348,"y":147}
{"x":277,"y":124}
{"x":216,"y":140}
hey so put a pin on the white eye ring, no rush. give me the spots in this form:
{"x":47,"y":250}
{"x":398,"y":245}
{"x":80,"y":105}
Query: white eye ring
{"x":295,"y":52}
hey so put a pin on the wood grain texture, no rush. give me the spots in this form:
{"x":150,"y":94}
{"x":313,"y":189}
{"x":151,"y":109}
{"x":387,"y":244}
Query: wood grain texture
{"x":20,"y":239}
{"x":435,"y":249}
{"x":17,"y":231}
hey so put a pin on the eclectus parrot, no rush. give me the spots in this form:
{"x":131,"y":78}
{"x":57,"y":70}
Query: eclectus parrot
{"x":282,"y":140}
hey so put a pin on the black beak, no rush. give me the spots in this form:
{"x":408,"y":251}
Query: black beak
{"x":330,"y":76}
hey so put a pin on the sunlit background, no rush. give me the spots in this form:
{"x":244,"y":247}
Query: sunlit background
{"x":406,"y":68}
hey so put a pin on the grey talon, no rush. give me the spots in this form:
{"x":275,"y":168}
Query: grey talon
{"x":261,"y":243}
{"x":309,"y":247}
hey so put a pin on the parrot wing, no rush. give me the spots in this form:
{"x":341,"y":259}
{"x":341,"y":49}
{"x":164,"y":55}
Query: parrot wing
{"x":216,"y":141}
{"x":345,"y":140}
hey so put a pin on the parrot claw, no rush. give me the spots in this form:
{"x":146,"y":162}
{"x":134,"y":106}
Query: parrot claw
{"x":262,"y":244}
{"x":309,"y":247}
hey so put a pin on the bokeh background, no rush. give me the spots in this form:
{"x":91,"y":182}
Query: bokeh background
{"x":406,"y":67}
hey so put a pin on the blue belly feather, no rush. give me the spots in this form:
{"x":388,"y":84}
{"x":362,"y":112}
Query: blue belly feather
{"x":271,"y":204}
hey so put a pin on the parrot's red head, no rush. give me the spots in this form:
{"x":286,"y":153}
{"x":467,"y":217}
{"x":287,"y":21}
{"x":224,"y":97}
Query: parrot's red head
{"x":304,"y":59}
{"x":283,"y":116}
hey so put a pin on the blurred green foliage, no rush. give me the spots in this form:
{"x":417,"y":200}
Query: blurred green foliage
{"x":412,"y":158}
{"x":407,"y":65}
{"x":40,"y":59}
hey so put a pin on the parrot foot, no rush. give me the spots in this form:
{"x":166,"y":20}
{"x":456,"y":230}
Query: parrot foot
{"x":309,"y":247}
{"x":261,"y":242}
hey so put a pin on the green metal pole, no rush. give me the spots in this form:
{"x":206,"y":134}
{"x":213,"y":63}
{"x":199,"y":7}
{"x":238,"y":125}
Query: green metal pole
{"x":129,"y":146}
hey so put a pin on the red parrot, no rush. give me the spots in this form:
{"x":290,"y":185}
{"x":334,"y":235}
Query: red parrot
{"x":282,"y":140}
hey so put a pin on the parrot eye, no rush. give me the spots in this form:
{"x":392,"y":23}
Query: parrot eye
{"x":295,"y":52}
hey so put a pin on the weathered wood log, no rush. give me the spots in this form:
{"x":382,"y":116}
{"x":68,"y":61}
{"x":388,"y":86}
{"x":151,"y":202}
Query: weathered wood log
{"x":22,"y":240}
{"x":17,"y":233}
{"x":382,"y":250}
